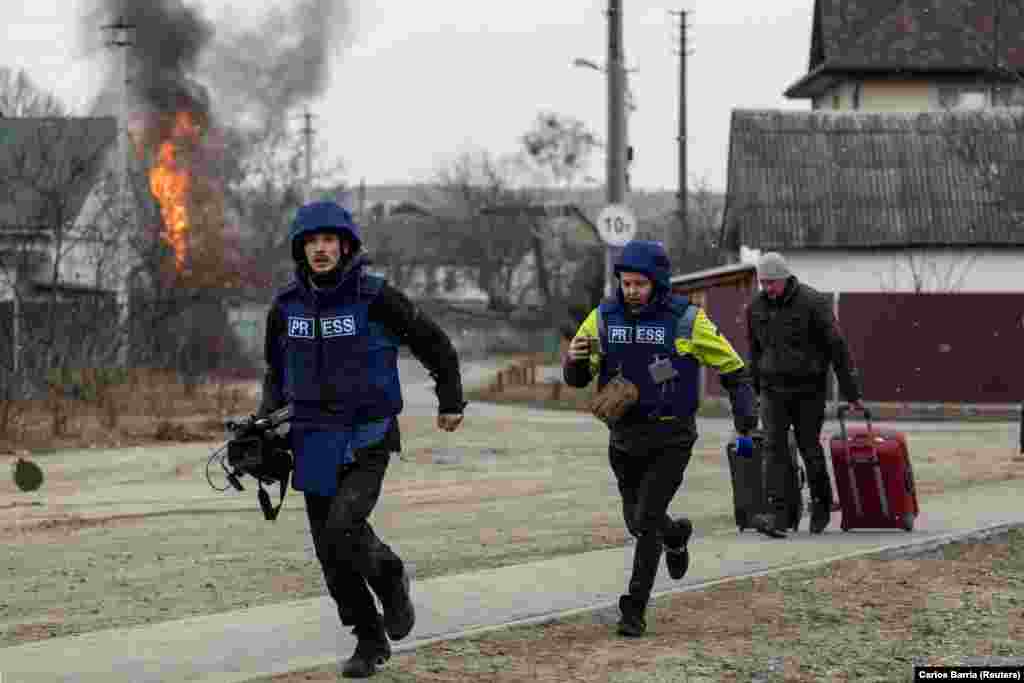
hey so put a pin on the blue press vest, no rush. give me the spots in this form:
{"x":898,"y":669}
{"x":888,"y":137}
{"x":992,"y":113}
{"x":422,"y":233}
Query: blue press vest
{"x":339,"y":367}
{"x":632,"y":342}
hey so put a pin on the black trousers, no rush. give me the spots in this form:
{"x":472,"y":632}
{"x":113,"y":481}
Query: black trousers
{"x":649,"y":461}
{"x":805,"y":413}
{"x":354,"y":560}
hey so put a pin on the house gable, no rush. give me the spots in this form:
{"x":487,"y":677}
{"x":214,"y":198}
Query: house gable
{"x":50,"y":165}
{"x":854,"y":39}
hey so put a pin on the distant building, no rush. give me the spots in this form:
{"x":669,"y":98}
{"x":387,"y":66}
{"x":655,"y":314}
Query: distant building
{"x":881,"y":202}
{"x":905,"y":176}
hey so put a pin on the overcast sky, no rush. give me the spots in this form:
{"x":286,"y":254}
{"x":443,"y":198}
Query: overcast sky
{"x":424,"y":81}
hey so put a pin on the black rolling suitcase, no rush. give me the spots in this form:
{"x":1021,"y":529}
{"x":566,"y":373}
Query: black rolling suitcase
{"x":748,"y":484}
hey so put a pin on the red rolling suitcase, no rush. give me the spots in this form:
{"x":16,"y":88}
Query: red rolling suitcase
{"x":873,"y":477}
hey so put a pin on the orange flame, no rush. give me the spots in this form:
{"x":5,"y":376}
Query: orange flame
{"x":171,"y":184}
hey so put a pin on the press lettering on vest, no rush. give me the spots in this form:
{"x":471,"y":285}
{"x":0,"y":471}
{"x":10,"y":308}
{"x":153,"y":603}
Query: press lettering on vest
{"x":300,"y":327}
{"x":617,"y":334}
{"x":341,"y":326}
{"x":650,"y":335}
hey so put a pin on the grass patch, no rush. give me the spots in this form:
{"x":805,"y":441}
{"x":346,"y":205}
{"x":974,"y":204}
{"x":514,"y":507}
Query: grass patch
{"x":143,"y":539}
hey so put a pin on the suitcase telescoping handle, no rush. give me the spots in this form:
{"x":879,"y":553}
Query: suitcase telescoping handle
{"x":871,"y":459}
{"x":841,"y":416}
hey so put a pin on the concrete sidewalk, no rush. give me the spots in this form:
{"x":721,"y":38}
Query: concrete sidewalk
{"x":260,"y":641}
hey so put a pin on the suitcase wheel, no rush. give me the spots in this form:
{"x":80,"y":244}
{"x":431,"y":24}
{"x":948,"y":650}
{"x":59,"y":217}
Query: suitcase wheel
{"x":908,"y":521}
{"x":844,"y":526}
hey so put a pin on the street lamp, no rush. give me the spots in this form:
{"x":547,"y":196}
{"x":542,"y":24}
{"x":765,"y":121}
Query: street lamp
{"x":589,"y":64}
{"x":618,"y":152}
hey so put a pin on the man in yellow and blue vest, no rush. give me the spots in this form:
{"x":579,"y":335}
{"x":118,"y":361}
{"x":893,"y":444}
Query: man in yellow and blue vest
{"x":332,"y":342}
{"x":658,"y":341}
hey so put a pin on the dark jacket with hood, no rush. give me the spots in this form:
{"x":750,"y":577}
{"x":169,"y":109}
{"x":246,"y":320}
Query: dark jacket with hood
{"x":668,"y":328}
{"x":793,"y":341}
{"x":332,"y":339}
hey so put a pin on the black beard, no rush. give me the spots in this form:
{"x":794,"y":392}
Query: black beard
{"x":330,"y":278}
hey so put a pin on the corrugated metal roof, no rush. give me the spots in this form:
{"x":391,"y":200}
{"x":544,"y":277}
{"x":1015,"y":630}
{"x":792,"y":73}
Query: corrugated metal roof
{"x":854,"y":179}
{"x":49,"y":166}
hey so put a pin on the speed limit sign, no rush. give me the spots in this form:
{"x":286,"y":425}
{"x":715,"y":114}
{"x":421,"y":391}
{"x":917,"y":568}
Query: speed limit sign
{"x":617,"y":225}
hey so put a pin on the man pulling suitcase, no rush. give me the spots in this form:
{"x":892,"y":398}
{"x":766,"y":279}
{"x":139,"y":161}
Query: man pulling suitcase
{"x":794,"y":338}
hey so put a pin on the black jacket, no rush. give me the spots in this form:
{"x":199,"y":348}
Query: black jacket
{"x":425,"y":339}
{"x":794,"y":340}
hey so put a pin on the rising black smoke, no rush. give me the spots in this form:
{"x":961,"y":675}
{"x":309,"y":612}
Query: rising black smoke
{"x":253,"y":75}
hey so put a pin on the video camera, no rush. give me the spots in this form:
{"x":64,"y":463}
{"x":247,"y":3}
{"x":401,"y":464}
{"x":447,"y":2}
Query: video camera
{"x":256,"y":449}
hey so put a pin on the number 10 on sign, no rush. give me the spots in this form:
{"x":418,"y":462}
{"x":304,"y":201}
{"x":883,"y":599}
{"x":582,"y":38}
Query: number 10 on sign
{"x":617,"y":225}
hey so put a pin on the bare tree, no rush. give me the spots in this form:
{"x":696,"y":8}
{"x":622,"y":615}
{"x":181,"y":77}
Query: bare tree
{"x":560,"y":147}
{"x":395,"y":242}
{"x":20,"y":97}
{"x":491,"y":246}
{"x":943,"y":270}
{"x":558,"y":150}
{"x":699,"y":251}
{"x":265,"y":185}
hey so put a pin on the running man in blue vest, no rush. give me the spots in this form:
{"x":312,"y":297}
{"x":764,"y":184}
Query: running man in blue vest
{"x":658,"y":341}
{"x":332,"y":343}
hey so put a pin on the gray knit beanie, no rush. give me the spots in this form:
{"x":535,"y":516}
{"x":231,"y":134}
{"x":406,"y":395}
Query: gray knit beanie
{"x":773,"y":267}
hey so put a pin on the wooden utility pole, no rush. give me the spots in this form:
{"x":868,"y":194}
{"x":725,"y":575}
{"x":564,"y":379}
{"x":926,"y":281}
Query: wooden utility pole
{"x":682,"y":196}
{"x":616,"y":157}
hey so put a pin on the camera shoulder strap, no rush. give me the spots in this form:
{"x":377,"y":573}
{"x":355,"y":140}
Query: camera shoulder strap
{"x":269,"y":511}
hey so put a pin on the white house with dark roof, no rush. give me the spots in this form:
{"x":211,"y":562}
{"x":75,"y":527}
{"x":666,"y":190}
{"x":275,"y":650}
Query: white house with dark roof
{"x":61,"y":241}
{"x":52,"y":170}
{"x":861,"y":202}
{"x":907,"y":174}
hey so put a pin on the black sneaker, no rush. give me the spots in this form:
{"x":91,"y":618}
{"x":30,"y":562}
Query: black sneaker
{"x":631,"y":623}
{"x":677,"y":559}
{"x":399,"y":614}
{"x":369,"y":655}
{"x":821,"y":515}
{"x":768,"y":524}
